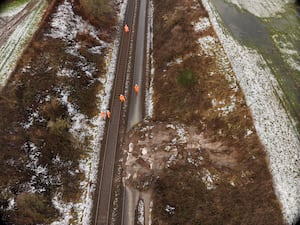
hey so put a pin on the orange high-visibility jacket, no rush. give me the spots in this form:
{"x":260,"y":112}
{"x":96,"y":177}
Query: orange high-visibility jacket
{"x":126,"y":28}
{"x":102,"y":114}
{"x":136,"y":88}
{"x":108,"y":114}
{"x":122,"y":98}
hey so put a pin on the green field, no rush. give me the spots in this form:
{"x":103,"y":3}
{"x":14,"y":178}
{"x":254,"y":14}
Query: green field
{"x":11,"y":4}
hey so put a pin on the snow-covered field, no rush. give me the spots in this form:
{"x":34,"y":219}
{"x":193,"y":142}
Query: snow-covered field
{"x":14,"y":46}
{"x":287,"y":43}
{"x":13,"y":10}
{"x":262,"y":8}
{"x":271,"y":121}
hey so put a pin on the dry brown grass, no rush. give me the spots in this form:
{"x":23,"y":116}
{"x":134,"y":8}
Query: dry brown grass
{"x":100,"y":13}
{"x":26,"y":92}
{"x":253,"y":202}
{"x":224,"y":205}
{"x":33,"y":209}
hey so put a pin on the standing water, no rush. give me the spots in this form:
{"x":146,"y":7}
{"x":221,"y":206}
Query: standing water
{"x":277,"y":38}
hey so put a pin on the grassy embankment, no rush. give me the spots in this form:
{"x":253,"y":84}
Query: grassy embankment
{"x":185,"y":92}
{"x":34,"y":89}
{"x":10,"y":4}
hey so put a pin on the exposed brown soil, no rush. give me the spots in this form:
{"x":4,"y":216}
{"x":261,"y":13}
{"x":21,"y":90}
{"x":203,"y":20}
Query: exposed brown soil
{"x":218,"y":173}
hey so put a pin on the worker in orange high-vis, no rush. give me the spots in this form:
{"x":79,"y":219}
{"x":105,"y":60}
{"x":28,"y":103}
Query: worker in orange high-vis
{"x":126,"y":28}
{"x":102,"y":115}
{"x":136,"y":88}
{"x":122,"y":98}
{"x":108,"y":114}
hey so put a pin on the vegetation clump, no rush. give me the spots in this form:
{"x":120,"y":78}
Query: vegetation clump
{"x":187,"y":79}
{"x":33,"y":208}
{"x":10,"y":4}
{"x":40,"y":153}
{"x":198,"y":90}
{"x":98,"y":12}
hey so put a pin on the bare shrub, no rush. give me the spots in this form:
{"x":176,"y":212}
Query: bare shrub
{"x":59,"y":126}
{"x":32,"y":209}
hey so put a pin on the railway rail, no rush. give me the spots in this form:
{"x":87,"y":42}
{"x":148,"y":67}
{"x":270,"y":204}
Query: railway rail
{"x":106,"y":171}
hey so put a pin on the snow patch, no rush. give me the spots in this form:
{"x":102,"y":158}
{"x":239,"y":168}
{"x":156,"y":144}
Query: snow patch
{"x":64,"y":208}
{"x":172,"y":126}
{"x":141,"y":212}
{"x":176,"y":61}
{"x":170,"y":209}
{"x":202,"y":25}
{"x":11,"y":204}
{"x":149,"y":64}
{"x":65,"y":25}
{"x":33,"y":116}
{"x":65,"y":72}
{"x":207,"y":43}
{"x":12,"y":49}
{"x":209,"y":179}
{"x":271,"y":121}
{"x":40,"y":172}
{"x":182,"y":135}
{"x":291,"y":56}
{"x":262,"y":8}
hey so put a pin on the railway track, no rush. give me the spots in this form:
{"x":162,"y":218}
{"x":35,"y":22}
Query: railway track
{"x":130,"y":197}
{"x":106,"y":172}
